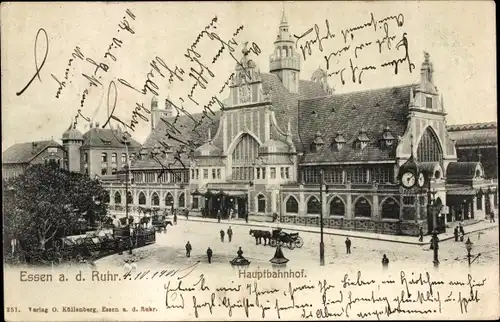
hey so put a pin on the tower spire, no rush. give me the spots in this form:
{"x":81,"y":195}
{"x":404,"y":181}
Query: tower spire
{"x":284,"y":21}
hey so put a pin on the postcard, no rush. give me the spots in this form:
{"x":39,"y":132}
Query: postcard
{"x":252,"y":161}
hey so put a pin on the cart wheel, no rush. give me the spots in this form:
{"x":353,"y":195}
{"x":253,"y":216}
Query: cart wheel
{"x":291,"y":245}
{"x":272,"y":243}
{"x":299,"y":242}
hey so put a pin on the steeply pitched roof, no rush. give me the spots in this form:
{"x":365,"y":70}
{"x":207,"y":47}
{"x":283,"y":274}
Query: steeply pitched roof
{"x":25,"y":152}
{"x":348,"y":113}
{"x":99,"y":137}
{"x":474,"y":134}
{"x":284,"y":104}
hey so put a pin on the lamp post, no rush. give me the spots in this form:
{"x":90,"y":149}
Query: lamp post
{"x":321,"y":243}
{"x":468,"y":246}
{"x":435,"y":244}
{"x":430,"y":198}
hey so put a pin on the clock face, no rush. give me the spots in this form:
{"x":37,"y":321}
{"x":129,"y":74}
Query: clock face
{"x":421,"y":180}
{"x":408,"y":179}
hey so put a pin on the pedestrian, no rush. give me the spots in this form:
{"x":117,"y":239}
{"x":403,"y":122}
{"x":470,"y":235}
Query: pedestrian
{"x":209,"y":255}
{"x":229,"y":233}
{"x":222,"y":235}
{"x":455,"y":232}
{"x":461,"y":229}
{"x":218,"y":215}
{"x":187,"y":213}
{"x":240,"y":252}
{"x":188,"y":249}
{"x":348,"y":245}
{"x":421,"y":234}
{"x":385,"y":261}
{"x":175,"y":219}
{"x":492,"y":216}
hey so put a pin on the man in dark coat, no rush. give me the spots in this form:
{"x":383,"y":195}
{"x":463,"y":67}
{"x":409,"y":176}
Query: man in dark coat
{"x":229,"y":233}
{"x":222,"y":235}
{"x":209,"y":255}
{"x":175,"y":218}
{"x":348,"y":245}
{"x":385,"y":261}
{"x":188,"y":249}
{"x":455,"y":232}
{"x":218,"y":215}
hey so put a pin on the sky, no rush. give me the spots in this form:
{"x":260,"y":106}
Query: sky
{"x":459,"y":36}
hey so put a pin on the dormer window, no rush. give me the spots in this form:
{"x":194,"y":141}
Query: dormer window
{"x":387,"y":137}
{"x":318,"y":142}
{"x":105,"y":141}
{"x":339,"y":141}
{"x":362,"y":139}
{"x":428,"y":102}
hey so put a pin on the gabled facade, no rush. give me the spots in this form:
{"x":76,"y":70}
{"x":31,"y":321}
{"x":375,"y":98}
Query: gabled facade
{"x":263,"y":153}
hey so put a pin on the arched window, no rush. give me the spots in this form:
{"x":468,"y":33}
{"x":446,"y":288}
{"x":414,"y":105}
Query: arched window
{"x":261,"y":203}
{"x":118,"y":198}
{"x":246,"y":151}
{"x":337,"y":207}
{"x":292,"y":206}
{"x":130,"y":198}
{"x":169,"y":200}
{"x":429,"y":149}
{"x":155,"y":200}
{"x":313,"y":206}
{"x":362,"y":208}
{"x":182,"y":200}
{"x":390,"y":209}
{"x":142,"y":198}
{"x":113,"y":158}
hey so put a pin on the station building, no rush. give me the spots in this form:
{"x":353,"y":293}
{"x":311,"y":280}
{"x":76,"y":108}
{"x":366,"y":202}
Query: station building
{"x":265,"y":151}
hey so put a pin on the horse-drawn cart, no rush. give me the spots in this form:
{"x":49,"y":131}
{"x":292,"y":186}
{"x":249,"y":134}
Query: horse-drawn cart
{"x":290,"y":240}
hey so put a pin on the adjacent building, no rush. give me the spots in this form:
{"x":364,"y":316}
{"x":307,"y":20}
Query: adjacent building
{"x":21,"y":155}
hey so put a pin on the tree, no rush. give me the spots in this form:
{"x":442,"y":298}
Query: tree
{"x":47,"y":200}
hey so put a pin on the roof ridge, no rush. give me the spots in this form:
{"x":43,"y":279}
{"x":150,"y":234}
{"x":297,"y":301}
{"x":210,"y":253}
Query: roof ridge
{"x":360,"y":91}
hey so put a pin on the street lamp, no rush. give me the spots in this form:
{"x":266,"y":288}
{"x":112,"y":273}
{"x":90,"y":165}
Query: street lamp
{"x":468,"y":246}
{"x":435,"y":247}
{"x":321,"y":243}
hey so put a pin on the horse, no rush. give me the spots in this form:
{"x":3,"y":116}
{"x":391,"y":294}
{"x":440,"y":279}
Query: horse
{"x":259,"y":235}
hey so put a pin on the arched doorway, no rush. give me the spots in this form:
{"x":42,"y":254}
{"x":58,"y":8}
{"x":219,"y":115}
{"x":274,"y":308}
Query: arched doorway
{"x":182,"y":200}
{"x":390,"y":209}
{"x":169,"y":200}
{"x":155,"y":199}
{"x":142,"y":198}
{"x":337,"y":207}
{"x":362,"y":208}
{"x":261,"y":203}
{"x":118,"y":198}
{"x":313,"y":206}
{"x":292,"y":206}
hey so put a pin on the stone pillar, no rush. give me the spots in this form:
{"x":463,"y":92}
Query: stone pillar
{"x":273,"y":200}
{"x":473,"y":206}
{"x":348,"y":206}
{"x":492,"y":201}
{"x":375,"y":207}
{"x":483,"y":202}
{"x":302,"y":204}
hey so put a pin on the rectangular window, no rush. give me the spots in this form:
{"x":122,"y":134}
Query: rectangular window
{"x":356,"y":174}
{"x":282,"y":172}
{"x":218,"y":174}
{"x":258,"y":173}
{"x":205,"y":173}
{"x":428,"y":102}
{"x":197,"y":174}
{"x":124,"y":158}
{"x":263,"y":173}
{"x":104,"y":157}
{"x":273,"y":173}
{"x":213,"y":174}
{"x":287,"y":173}
{"x":195,"y":204}
{"x":192,"y":173}
{"x":104,"y":171}
{"x":113,"y":158}
{"x":85,"y":157}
